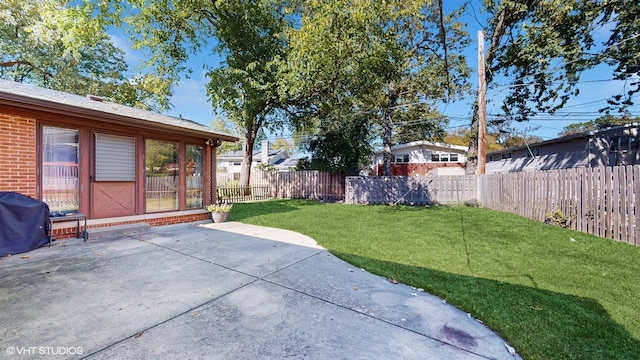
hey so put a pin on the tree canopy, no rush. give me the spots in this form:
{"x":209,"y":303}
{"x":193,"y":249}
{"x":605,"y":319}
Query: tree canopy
{"x":246,"y":33}
{"x":600,"y":122}
{"x":62,"y":47}
{"x":537,"y":50}
{"x":621,"y":48}
{"x":383,"y":64}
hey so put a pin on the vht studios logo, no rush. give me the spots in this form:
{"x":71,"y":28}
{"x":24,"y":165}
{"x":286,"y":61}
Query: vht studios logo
{"x":44,"y":350}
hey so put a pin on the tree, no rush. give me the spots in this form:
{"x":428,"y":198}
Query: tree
{"x":463,"y":136}
{"x":506,"y":134}
{"x":383,"y":62}
{"x":341,"y":146}
{"x":600,"y":122}
{"x":540,"y":46}
{"x":225,"y":126}
{"x":52,"y":44}
{"x":283,"y":144}
{"x":246,"y":33}
{"x":621,"y":46}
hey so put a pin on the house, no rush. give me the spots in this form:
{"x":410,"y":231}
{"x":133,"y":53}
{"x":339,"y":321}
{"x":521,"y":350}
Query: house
{"x":607,"y":146}
{"x":420,"y":158}
{"x":113,"y":163}
{"x":231,"y":162}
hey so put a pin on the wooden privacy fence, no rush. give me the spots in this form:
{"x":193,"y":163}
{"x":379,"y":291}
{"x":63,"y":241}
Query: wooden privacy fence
{"x":602,"y":200}
{"x":422,"y":190}
{"x":233,"y":178}
{"x":315,"y":185}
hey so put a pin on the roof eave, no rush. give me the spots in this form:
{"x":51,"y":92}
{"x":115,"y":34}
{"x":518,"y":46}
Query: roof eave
{"x":27,"y":103}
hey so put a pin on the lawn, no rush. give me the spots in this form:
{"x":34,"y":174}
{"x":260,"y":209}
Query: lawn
{"x":552,"y":293}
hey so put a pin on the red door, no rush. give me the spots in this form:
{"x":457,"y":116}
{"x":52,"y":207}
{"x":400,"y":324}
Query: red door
{"x":113,"y":185}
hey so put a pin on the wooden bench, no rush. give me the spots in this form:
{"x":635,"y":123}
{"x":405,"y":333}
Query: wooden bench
{"x":77,"y":217}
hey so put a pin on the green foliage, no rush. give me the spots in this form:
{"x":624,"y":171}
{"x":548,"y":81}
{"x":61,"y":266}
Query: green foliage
{"x":219,"y":124}
{"x":542,"y":48}
{"x":247,"y":33}
{"x":552,"y":293}
{"x":53,"y":44}
{"x":620,"y":47}
{"x":266,"y":167}
{"x":602,"y":121}
{"x":340,"y":147}
{"x":283,"y":144}
{"x":557,"y":218}
{"x":160,"y":156}
{"x":219,"y":208}
{"x":385,"y":62}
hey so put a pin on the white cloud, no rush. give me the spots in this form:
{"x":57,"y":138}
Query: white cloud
{"x":131,"y":56}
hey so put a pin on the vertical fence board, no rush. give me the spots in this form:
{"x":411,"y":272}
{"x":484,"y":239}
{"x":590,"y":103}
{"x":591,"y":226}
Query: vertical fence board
{"x":615,"y":204}
{"x":636,"y":204}
{"x":622,"y":205}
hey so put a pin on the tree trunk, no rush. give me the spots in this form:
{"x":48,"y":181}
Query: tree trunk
{"x":247,"y":159}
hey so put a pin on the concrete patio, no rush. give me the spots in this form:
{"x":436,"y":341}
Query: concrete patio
{"x":221,"y":291}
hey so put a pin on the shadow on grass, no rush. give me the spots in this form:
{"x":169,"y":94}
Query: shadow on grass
{"x":540,"y":324}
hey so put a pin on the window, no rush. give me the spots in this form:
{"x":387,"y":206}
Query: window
{"x":399,"y":159}
{"x":195,"y":188}
{"x":60,"y":188}
{"x":444,"y":157}
{"x":625,"y":144}
{"x":506,"y":155}
{"x":533,"y":151}
{"x":163,"y":174}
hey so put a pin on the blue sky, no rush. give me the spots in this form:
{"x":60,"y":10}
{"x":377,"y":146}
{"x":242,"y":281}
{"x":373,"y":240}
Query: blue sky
{"x":190,"y":100}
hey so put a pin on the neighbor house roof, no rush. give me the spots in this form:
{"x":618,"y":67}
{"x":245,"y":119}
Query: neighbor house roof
{"x":31,"y":97}
{"x":586,"y":134}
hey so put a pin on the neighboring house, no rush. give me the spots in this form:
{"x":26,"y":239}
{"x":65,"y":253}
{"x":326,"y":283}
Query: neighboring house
{"x":232,"y":162}
{"x":420,"y":158}
{"x":113,"y":163}
{"x":609,"y":146}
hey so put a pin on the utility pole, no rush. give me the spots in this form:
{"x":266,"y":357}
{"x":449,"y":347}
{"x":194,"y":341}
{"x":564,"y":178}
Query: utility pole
{"x":482,"y":106}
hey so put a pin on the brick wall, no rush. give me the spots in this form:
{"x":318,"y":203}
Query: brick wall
{"x":417,"y":169}
{"x":70,"y":232}
{"x":18,"y":154}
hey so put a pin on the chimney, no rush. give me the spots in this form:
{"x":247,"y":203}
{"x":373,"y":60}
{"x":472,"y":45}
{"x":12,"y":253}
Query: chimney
{"x":265,"y":152}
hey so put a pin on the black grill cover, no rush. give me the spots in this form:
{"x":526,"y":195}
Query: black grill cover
{"x":24,"y":223}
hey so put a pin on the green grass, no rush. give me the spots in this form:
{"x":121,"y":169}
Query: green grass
{"x":551,"y":293}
